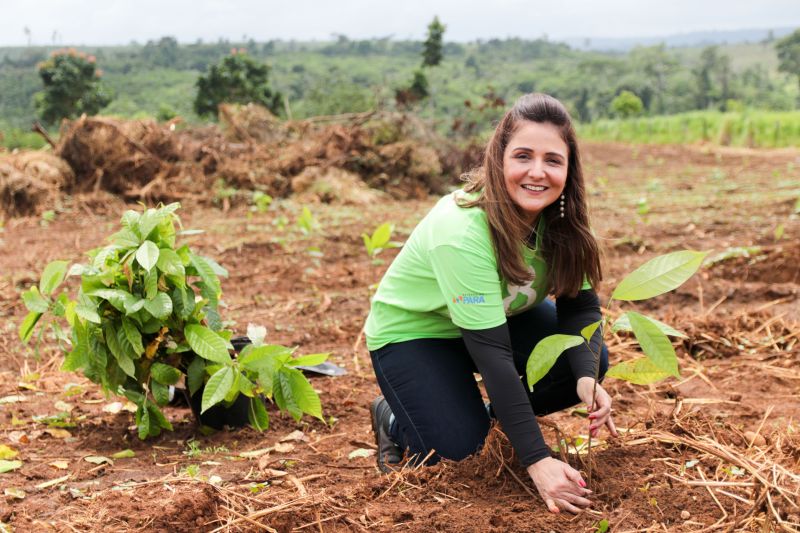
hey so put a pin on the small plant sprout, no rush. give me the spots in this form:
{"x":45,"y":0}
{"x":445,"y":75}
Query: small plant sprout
{"x":306,"y":222}
{"x":261,"y":202}
{"x":657,"y":276}
{"x":380,"y":240}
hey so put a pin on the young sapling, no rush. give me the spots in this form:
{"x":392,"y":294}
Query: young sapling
{"x":657,"y":276}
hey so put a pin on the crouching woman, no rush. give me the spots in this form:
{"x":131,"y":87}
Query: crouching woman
{"x":467,"y":294}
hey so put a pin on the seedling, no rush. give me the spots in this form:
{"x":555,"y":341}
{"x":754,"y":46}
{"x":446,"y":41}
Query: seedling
{"x":146,"y":317}
{"x":261,"y":202}
{"x":380,"y":240}
{"x":657,"y":276}
{"x":306,"y":222}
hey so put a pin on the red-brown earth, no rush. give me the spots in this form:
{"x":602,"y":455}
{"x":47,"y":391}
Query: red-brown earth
{"x":718,"y":449}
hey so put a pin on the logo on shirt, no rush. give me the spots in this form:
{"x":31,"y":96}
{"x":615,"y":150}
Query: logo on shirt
{"x":469,"y":299}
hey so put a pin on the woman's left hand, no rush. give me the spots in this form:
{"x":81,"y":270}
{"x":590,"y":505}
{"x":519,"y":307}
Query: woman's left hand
{"x":600,"y":412}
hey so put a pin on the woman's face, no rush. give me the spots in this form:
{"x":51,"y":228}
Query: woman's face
{"x":535,"y":166}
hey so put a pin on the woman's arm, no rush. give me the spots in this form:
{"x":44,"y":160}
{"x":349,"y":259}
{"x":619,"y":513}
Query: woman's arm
{"x":559,"y":485}
{"x":490,"y":349}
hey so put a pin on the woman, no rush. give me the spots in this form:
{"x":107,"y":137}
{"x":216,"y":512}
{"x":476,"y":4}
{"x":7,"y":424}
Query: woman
{"x":466,"y":294}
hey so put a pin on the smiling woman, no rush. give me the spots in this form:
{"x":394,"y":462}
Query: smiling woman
{"x":467,"y":294}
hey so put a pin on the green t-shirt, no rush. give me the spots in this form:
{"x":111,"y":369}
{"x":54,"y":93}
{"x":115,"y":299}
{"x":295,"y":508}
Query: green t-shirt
{"x":446,"y":277}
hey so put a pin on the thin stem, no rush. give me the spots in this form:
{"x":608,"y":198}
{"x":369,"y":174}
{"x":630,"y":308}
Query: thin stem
{"x":594,"y":386}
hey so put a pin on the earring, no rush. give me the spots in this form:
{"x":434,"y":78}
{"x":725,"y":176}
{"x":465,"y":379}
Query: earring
{"x":562,"y":205}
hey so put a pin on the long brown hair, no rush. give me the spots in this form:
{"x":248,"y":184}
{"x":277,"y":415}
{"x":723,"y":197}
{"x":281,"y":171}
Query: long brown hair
{"x":568,"y":246}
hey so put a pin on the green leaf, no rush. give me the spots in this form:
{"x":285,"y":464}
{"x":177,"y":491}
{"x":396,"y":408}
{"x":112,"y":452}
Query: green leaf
{"x":265,"y":357}
{"x":169,"y":262}
{"x":116,"y":297}
{"x":26,"y":327}
{"x":623,"y":323}
{"x":133,"y":304}
{"x":165,"y":374}
{"x":160,"y":392}
{"x":589,"y":330}
{"x":110,"y":335}
{"x":207,"y":344}
{"x":367,"y":244}
{"x":195,"y":374}
{"x":381,"y":235}
{"x":143,"y":421}
{"x":217,"y":387}
{"x":126,"y":238}
{"x":659,"y":275}
{"x":544,"y":355}
{"x":640,"y":371}
{"x":126,"y":364}
{"x":183,"y":301}
{"x":309,"y":360}
{"x":207,"y":274}
{"x":147,"y":255}
{"x":150,"y":284}
{"x":654,"y":343}
{"x":303,"y":393}
{"x":87,"y":309}
{"x":245,"y":386}
{"x":124,"y":454}
{"x":218,"y":269}
{"x":130,"y":218}
{"x":133,"y":336}
{"x":8,"y":466}
{"x":160,"y":306}
{"x":257,"y":414}
{"x":282,"y":389}
{"x":54,"y":273}
{"x":148,"y":222}
{"x":34,"y":300}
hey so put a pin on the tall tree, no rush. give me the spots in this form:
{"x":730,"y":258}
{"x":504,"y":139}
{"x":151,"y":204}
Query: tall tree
{"x":432,"y":48}
{"x":72,"y":86}
{"x":788,"y":50}
{"x":712,"y":78}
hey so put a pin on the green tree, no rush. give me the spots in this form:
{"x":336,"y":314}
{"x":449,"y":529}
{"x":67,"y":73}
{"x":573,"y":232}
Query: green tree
{"x":712,"y":78}
{"x":72,"y":86}
{"x":657,"y":65}
{"x":627,"y":104}
{"x":415,"y":92}
{"x":432,"y":48}
{"x":237,"y":79}
{"x":163,"y":53}
{"x":788,"y":50}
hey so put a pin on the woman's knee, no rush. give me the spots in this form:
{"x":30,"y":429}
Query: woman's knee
{"x":456,"y":446}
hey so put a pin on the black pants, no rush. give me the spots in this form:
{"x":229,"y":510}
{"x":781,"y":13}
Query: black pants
{"x":431,"y":388}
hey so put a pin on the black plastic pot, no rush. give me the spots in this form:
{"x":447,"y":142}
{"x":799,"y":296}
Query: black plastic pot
{"x":221,"y":415}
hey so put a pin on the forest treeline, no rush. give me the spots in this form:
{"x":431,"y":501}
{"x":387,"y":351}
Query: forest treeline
{"x":467,"y":90}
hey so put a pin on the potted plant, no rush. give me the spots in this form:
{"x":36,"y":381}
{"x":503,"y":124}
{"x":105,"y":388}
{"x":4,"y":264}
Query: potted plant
{"x":146,"y":315}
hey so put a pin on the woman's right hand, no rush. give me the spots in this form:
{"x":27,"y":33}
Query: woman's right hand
{"x":560,"y":485}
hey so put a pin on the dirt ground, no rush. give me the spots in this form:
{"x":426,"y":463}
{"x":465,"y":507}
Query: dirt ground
{"x":718,"y":450}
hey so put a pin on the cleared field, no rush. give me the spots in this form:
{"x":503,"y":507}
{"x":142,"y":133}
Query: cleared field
{"x":717,"y":449}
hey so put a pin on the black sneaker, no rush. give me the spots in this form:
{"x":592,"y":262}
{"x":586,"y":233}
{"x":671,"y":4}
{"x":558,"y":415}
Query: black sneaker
{"x":389,"y":453}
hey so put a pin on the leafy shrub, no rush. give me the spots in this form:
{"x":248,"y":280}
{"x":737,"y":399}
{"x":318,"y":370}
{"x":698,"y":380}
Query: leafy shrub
{"x":146,"y":315}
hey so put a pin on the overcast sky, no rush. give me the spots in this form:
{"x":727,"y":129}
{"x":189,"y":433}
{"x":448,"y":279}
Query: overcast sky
{"x":123,"y":21}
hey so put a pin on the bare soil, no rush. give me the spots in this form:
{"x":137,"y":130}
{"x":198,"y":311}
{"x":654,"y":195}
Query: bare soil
{"x":718,"y":449}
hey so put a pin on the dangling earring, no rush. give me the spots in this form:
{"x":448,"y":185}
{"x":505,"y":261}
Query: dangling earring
{"x":562,"y":205}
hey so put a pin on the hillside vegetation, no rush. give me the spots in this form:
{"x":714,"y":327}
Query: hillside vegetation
{"x":467,"y":91}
